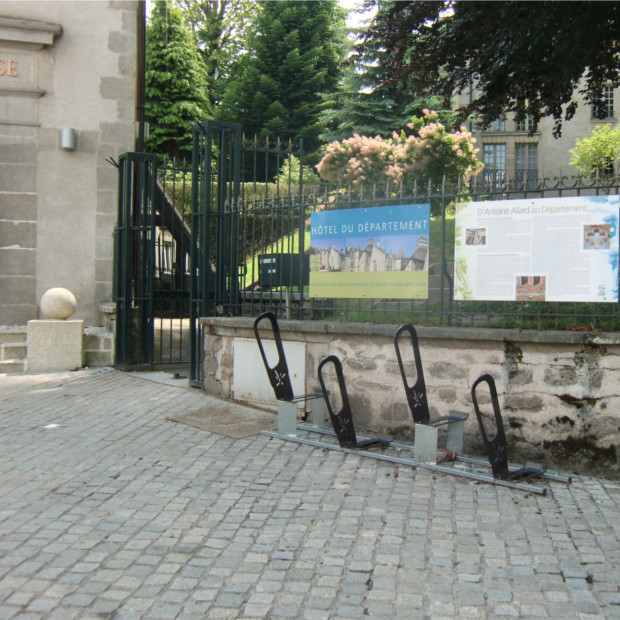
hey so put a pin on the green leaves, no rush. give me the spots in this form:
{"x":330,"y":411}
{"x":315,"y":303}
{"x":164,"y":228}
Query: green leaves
{"x":221,"y":28}
{"x":599,"y":153}
{"x":521,"y":57}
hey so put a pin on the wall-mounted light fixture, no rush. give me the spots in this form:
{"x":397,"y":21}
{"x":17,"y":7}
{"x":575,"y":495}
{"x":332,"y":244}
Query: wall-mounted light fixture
{"x":68,"y":139}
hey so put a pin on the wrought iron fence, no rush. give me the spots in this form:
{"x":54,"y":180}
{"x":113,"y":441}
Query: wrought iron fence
{"x":272,"y":220}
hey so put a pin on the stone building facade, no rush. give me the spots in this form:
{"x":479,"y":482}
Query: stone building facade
{"x":509,"y":153}
{"x":67,"y":108}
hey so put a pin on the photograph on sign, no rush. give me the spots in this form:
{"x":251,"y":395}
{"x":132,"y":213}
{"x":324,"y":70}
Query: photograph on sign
{"x":545,"y":249}
{"x":374,"y":252}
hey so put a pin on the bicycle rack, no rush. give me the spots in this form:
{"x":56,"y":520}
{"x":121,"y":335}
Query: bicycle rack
{"x":280,"y":380}
{"x":426,"y":429}
{"x":496,"y":446}
{"x":344,"y":430}
{"x":342,"y":421}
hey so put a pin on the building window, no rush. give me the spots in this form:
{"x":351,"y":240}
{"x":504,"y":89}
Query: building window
{"x":165,"y":252}
{"x":524,"y":125}
{"x":495,"y":164}
{"x":526,"y":164}
{"x":498,"y":125}
{"x":606,"y":110}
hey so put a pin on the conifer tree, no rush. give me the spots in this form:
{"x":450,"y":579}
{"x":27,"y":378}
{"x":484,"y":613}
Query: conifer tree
{"x":367,"y":102}
{"x":296,"y":53}
{"x":176,"y":96}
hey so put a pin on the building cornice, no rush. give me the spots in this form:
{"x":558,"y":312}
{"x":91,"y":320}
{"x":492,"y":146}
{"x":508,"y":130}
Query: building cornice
{"x":27,"y":33}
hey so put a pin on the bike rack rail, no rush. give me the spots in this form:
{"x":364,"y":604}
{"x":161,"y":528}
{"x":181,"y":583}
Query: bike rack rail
{"x":400,"y":460}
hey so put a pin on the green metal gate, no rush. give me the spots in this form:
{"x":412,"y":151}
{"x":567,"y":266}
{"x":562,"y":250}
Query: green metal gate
{"x":151,"y":254}
{"x":239,"y":212}
{"x":134,"y":261}
{"x":176,"y":250}
{"x":188,"y":241}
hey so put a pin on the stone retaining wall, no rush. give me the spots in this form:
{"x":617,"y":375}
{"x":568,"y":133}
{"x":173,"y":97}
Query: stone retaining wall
{"x":98,"y":347}
{"x":559,"y":391}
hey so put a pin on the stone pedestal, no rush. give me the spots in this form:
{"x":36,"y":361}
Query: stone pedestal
{"x":54,"y":345}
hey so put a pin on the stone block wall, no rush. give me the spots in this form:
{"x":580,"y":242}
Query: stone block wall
{"x":98,"y":347}
{"x":72,"y":65}
{"x":559,"y":391}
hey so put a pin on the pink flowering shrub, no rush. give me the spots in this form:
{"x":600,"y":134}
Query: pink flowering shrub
{"x":429,"y":152}
{"x":356,"y":161}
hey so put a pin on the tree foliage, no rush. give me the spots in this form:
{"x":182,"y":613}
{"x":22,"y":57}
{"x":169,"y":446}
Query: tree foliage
{"x":357,"y":106}
{"x":362,"y":105}
{"x":175,"y":82}
{"x":428,"y":152}
{"x":367,"y":103}
{"x":292,"y":170}
{"x":294,"y":54}
{"x":524,"y":57}
{"x":599,"y":153}
{"x":220,"y":28}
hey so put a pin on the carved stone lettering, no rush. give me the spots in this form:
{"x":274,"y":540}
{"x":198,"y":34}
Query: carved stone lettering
{"x":8,"y":67}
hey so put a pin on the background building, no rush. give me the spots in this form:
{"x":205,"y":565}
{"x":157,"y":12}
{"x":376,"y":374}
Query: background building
{"x":509,"y":153}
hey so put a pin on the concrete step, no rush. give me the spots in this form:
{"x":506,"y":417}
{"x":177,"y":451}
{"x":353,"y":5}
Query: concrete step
{"x":13,"y":351}
{"x":7,"y":366}
{"x":9,"y":335}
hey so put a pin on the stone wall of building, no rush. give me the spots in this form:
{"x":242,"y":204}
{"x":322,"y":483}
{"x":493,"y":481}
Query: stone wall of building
{"x":553,"y":154}
{"x":63,"y":65}
{"x":559,"y":391}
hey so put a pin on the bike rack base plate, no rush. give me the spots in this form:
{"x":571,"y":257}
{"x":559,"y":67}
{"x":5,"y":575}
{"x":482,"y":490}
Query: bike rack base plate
{"x":412,"y":462}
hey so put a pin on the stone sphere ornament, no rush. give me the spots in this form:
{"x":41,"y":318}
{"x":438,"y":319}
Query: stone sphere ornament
{"x":58,"y":303}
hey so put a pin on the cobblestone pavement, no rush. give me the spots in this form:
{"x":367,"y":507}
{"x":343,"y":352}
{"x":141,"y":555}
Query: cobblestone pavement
{"x":109,"y":510}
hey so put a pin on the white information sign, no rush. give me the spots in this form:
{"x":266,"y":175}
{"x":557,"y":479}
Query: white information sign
{"x":546,"y":249}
